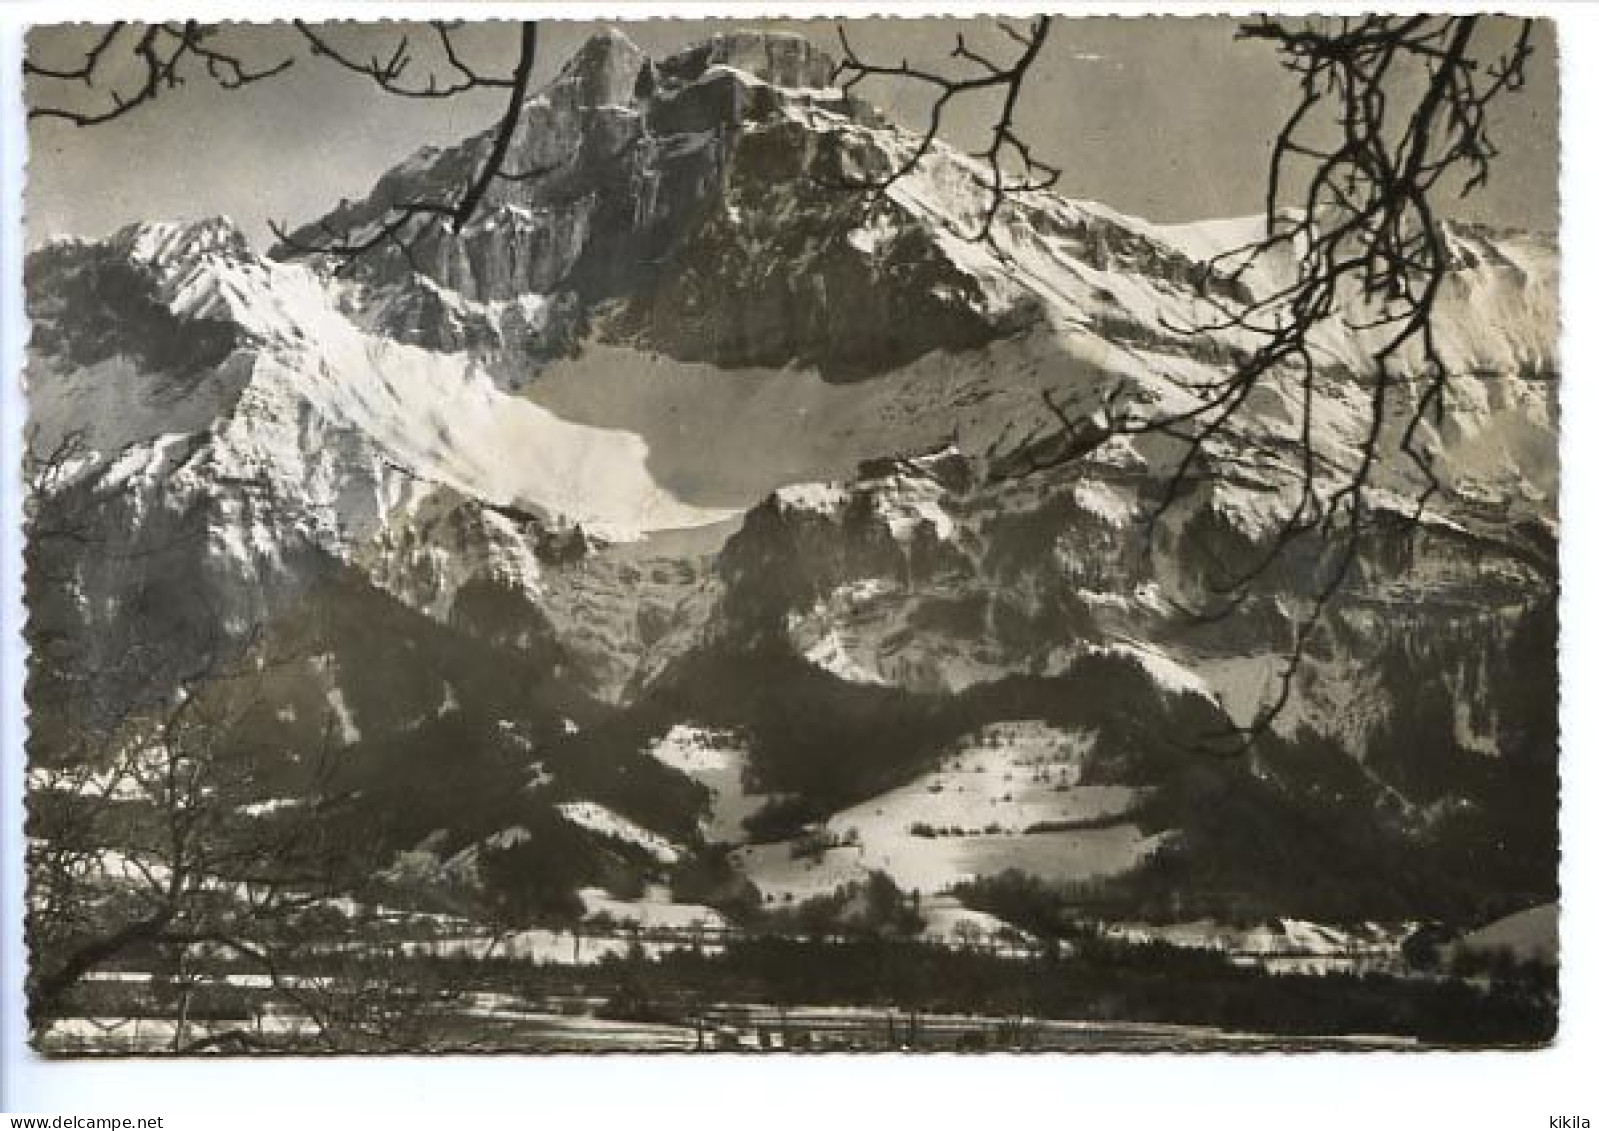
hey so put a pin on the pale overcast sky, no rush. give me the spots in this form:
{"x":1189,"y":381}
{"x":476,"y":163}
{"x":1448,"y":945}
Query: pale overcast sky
{"x":1170,"y":119}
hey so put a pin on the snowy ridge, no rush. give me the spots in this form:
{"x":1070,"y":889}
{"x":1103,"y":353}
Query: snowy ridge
{"x":312,"y":430}
{"x":596,"y":818}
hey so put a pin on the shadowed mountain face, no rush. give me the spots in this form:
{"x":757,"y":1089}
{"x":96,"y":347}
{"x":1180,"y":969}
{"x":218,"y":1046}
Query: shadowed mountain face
{"x":685,"y":485}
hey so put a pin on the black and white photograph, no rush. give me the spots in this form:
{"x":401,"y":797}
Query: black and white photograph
{"x":999,"y":534}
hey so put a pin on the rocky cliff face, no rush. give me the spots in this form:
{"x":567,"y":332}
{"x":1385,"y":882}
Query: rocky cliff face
{"x":922,"y":575}
{"x":665,"y":193}
{"x":520,"y":448}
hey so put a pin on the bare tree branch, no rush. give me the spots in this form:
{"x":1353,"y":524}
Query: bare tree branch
{"x":389,"y":74}
{"x":1368,"y":248}
{"x":404,"y":222}
{"x":1005,"y":146}
{"x":163,"y":57}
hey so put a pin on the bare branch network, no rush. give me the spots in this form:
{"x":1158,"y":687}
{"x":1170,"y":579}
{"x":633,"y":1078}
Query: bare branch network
{"x":158,"y":57}
{"x":1006,"y":147}
{"x":1365,"y":166}
{"x":127,"y":67}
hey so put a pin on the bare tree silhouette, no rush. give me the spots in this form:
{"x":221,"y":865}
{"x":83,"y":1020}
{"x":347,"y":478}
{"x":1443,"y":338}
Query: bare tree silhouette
{"x":152,"y":845}
{"x":127,"y":67}
{"x":1389,"y":109}
{"x":149,"y":840}
{"x":1371,"y":248}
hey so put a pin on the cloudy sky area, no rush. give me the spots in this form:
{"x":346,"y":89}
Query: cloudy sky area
{"x":1170,"y":119}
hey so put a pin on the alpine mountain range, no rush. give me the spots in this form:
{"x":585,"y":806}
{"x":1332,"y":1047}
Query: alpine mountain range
{"x":691,"y":539}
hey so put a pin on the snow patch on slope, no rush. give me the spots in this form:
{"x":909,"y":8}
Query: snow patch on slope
{"x":1166,"y":672}
{"x":606,"y":822}
{"x":1007,"y":796}
{"x":655,"y":910}
{"x":717,"y":760}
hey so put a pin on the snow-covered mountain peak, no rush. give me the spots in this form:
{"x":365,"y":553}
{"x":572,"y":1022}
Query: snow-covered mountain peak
{"x":163,"y":243}
{"x":209,"y":381}
{"x":205,"y":271}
